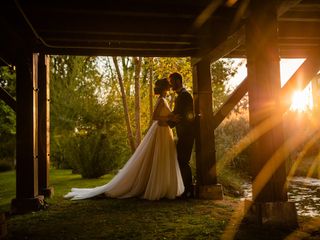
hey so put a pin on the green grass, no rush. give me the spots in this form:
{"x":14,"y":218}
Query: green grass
{"x":61,"y":180}
{"x":102,"y":218}
{"x":7,"y":189}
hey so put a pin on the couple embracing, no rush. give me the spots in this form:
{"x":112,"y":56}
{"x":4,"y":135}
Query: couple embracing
{"x":159,"y":168}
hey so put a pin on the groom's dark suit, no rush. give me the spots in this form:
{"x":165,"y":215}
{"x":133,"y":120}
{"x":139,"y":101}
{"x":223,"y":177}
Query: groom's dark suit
{"x":185,"y":132}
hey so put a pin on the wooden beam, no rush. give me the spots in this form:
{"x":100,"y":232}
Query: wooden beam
{"x":289,"y":29}
{"x":269,"y":205}
{"x":8,"y":99}
{"x":26,"y":166}
{"x":205,"y":141}
{"x":126,"y":37}
{"x":6,"y":58}
{"x":301,"y":16}
{"x":119,"y":8}
{"x":230,"y":103}
{"x":286,"y":5}
{"x":264,"y":98}
{"x":294,"y":52}
{"x":223,"y":49}
{"x":205,"y":147}
{"x":300,"y":79}
{"x":237,"y":39}
{"x":44,"y":126}
{"x":105,"y":44}
{"x":316,"y":93}
{"x":118,"y":52}
{"x":27,"y":198}
{"x":111,"y":25}
{"x":9,"y":38}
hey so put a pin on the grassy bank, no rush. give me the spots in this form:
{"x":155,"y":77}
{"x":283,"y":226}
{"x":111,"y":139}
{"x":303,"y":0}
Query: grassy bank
{"x":111,"y":218}
{"x":102,"y":218}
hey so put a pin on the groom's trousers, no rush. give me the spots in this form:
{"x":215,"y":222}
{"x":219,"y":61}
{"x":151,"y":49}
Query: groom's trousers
{"x":184,"y":150}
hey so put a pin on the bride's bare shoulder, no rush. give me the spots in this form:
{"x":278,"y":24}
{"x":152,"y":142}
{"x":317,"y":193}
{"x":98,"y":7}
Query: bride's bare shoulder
{"x":160,"y":101}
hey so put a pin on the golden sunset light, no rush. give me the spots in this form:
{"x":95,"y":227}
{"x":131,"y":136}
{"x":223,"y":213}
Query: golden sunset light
{"x":301,"y":101}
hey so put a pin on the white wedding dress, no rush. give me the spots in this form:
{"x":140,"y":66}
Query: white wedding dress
{"x":151,"y":173}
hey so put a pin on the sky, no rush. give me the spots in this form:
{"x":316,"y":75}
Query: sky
{"x":287,"y":69}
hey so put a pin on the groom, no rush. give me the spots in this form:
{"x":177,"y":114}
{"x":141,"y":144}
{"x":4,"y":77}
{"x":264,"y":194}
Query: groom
{"x":183,"y":108}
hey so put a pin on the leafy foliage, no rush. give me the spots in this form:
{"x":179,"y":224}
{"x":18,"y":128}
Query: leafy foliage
{"x":80,"y":118}
{"x":7,"y":116}
{"x":221,"y":71}
{"x":228,"y":134}
{"x":5,"y":166}
{"x":88,"y":130}
{"x":94,"y":154}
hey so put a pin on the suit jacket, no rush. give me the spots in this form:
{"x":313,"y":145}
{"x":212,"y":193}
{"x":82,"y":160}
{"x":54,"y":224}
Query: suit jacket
{"x":184,"y":107}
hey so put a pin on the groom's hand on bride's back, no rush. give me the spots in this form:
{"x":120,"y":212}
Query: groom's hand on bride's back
{"x":162,"y":123}
{"x":175,"y":118}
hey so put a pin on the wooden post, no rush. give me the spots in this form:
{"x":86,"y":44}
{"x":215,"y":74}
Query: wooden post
{"x":44,"y":125}
{"x":205,"y":142}
{"x":316,"y":94}
{"x":27,"y":198}
{"x":264,"y":99}
{"x":3,"y":225}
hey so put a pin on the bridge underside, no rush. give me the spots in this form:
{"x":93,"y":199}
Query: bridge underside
{"x":261,"y":31}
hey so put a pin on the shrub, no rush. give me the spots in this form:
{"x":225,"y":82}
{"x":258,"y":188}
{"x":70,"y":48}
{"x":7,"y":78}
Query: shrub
{"x":5,"y":166}
{"x":93,"y":155}
{"x":228,"y":134}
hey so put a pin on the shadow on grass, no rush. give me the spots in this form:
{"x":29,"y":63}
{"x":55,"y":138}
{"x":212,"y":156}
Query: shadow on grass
{"x":102,"y":218}
{"x":254,"y":231}
{"x":123,"y":219}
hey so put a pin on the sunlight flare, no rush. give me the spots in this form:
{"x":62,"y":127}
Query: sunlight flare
{"x":300,"y":101}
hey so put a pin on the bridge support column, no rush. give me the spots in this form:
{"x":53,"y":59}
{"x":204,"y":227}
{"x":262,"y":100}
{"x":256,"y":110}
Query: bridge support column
{"x":27,"y":196}
{"x":207,"y":186}
{"x":269,"y":187}
{"x":44,"y":126}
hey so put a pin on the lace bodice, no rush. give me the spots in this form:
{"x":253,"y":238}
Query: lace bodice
{"x":164,"y":109}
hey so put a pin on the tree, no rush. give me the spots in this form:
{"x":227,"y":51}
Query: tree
{"x":86,"y":126}
{"x":221,"y":71}
{"x":125,"y":105}
{"x":7,"y":116}
{"x":150,"y":73}
{"x":137,"y":69}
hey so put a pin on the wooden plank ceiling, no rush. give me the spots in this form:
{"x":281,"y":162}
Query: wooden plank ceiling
{"x":147,"y":28}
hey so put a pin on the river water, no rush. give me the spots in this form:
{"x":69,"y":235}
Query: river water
{"x":305,"y":192}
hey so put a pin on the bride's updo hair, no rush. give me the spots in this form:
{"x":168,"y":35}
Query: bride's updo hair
{"x":161,"y":85}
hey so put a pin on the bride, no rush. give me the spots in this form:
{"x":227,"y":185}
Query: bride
{"x":153,"y":171}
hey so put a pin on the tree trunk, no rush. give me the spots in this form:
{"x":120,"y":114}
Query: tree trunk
{"x":125,"y":105}
{"x":151,"y":89}
{"x":137,"y":70}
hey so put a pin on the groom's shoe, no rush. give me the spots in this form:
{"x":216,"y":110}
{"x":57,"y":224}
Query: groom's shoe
{"x":190,"y":194}
{"x":186,"y":195}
